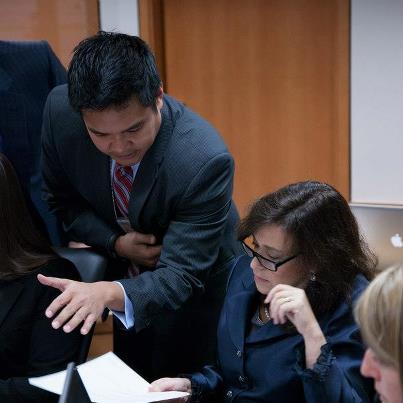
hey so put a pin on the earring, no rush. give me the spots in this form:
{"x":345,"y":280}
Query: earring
{"x":313,"y":276}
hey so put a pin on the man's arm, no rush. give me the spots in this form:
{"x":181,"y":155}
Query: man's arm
{"x":78,"y":218}
{"x":190,"y":249}
{"x":190,"y":246}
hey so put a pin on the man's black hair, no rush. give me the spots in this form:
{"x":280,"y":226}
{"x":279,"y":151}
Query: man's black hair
{"x":108,"y":69}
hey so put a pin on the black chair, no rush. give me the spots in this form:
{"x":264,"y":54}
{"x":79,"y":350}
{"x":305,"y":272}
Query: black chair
{"x":92,"y":267}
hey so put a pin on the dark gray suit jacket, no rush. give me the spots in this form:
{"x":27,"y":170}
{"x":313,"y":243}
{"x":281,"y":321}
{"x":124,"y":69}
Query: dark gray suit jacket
{"x":28,"y":71}
{"x":181,"y":193}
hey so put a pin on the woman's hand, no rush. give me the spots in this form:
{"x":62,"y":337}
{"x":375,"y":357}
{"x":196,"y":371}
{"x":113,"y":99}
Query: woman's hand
{"x":287,"y":302}
{"x":175,"y":384}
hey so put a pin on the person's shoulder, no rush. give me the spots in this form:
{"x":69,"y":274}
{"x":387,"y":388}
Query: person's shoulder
{"x":25,"y":47}
{"x":190,"y":126}
{"x":60,"y":92}
{"x":360,"y":283}
{"x":342,"y":315}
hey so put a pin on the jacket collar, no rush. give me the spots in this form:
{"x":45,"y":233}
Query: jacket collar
{"x":241,"y":307}
{"x":149,"y":167}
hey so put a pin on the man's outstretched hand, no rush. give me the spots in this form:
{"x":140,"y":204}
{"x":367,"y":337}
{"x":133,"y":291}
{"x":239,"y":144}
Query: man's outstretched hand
{"x":81,"y":302}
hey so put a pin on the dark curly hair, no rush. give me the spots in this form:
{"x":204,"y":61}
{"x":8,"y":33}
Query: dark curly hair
{"x":325,"y":232}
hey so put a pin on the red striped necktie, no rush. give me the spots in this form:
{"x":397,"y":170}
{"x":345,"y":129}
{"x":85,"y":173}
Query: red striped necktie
{"x":122,"y":186}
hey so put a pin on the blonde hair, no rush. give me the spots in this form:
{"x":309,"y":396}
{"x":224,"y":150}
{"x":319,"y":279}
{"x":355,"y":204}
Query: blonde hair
{"x":379,"y":313}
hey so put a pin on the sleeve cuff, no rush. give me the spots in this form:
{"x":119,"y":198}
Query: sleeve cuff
{"x":126,"y":317}
{"x":321,"y":369}
{"x":196,"y":390}
{"x":110,"y":246}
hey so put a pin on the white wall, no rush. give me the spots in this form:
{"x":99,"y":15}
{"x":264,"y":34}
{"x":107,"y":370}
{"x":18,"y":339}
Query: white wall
{"x":377,"y":101}
{"x":119,"y":16}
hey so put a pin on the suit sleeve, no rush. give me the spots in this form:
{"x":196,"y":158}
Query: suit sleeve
{"x":79,"y":220}
{"x":336,"y":375}
{"x":190,"y":246}
{"x":50,"y":350}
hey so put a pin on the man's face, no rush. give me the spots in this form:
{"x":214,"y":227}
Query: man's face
{"x":124,"y":133}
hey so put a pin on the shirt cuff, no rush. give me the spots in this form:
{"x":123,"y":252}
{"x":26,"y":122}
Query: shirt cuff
{"x":320,"y":369}
{"x":126,"y":317}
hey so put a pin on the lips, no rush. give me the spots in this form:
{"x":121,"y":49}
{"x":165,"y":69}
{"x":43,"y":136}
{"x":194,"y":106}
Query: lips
{"x":125,"y":157}
{"x":260,"y":278}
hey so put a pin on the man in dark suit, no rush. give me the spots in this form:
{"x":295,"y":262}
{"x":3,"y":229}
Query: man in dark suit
{"x":135,"y":173}
{"x":28,"y":71}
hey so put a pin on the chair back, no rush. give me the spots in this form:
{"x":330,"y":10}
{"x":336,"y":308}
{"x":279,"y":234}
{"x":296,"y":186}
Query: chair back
{"x":92,"y":267}
{"x":90,"y":264}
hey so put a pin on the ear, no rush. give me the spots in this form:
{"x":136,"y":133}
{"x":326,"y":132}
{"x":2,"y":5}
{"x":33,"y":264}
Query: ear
{"x":159,"y":101}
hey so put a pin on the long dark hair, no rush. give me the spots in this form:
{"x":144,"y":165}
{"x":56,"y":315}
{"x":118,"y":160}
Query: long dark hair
{"x":22,"y":247}
{"x":324,"y":231}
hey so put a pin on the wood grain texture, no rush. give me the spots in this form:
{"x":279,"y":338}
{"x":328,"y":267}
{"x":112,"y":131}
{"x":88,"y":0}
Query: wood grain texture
{"x":151,"y":21}
{"x":62,"y":23}
{"x":273,"y":77}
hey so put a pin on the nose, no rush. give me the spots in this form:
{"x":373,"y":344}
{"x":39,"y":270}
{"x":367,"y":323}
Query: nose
{"x":119,"y":144}
{"x":255,"y":264}
{"x":369,"y":366}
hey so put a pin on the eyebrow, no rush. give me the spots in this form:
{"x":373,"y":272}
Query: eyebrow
{"x":133,"y":126}
{"x":266,"y":247}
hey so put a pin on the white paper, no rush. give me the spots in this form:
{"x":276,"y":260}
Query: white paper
{"x":107,"y":379}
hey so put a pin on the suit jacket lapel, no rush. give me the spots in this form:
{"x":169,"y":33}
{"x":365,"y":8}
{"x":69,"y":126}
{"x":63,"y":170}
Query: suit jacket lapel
{"x":148,"y":169}
{"x":98,"y":173}
{"x":240,"y":311}
{"x":9,"y":293}
{"x":102,"y":180}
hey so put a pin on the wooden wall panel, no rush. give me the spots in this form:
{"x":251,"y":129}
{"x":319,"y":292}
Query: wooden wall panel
{"x":151,"y":22}
{"x":62,"y":23}
{"x":273,"y":77}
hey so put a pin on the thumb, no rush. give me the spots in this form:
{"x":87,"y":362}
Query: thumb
{"x":59,"y":283}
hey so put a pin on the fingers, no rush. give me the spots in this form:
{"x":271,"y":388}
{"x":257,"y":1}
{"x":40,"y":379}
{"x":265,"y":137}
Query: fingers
{"x":70,"y":309}
{"x":276,"y":289}
{"x":79,"y":303}
{"x":88,"y":323}
{"x":59,"y":283}
{"x":168,"y":384}
{"x":77,"y":245}
{"x":284,"y":300}
{"x":58,"y":303}
{"x":138,"y":237}
{"x":81,"y":315}
{"x":154,"y":253}
{"x":283,"y":311}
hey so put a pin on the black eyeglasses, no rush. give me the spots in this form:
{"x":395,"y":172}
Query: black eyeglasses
{"x":264,"y":261}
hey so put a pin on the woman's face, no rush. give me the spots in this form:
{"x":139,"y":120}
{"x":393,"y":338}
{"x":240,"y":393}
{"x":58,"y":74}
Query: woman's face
{"x":387,"y":380}
{"x":273,"y":242}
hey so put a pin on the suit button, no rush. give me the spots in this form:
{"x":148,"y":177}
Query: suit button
{"x":239,"y":353}
{"x":229,"y":394}
{"x":241,"y":379}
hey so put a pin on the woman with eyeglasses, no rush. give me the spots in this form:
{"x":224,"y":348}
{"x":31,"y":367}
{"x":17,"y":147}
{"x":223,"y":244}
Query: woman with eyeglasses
{"x":287,"y":332}
{"x":379,"y":313}
{"x":29,"y":346}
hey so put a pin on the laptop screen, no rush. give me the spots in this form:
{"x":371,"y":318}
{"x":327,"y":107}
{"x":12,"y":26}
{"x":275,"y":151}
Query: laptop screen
{"x":382,"y":227}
